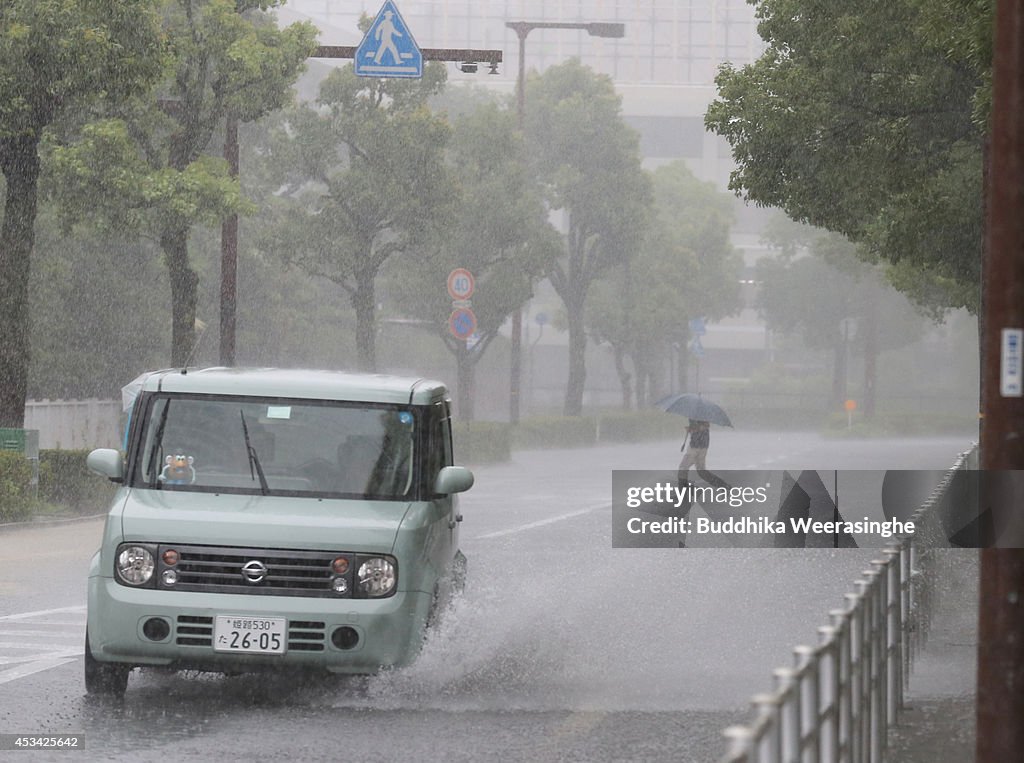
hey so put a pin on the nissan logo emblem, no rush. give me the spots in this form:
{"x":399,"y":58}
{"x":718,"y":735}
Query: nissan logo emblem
{"x":254,"y":571}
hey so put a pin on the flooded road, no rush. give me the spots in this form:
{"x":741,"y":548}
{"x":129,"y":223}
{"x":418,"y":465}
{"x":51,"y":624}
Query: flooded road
{"x":561,"y":648}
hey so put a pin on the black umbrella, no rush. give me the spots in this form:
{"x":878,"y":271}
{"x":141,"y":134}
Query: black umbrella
{"x":695,"y":408}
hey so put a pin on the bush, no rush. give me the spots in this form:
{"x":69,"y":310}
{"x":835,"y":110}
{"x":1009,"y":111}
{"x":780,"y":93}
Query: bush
{"x":555,"y":432}
{"x":65,"y":480}
{"x":16,"y":500}
{"x":636,"y":426}
{"x":481,"y":442}
{"x":902,"y":425}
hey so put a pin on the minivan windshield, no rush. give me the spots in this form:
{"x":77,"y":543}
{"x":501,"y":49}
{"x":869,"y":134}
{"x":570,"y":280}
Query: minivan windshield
{"x":209,"y":443}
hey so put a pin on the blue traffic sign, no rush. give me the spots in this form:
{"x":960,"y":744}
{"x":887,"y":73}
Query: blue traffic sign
{"x":388,"y":49}
{"x":697,"y":327}
{"x":462,"y":323}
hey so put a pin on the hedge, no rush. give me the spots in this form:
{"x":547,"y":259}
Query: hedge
{"x":64,"y":480}
{"x":481,"y":442}
{"x":637,"y":426}
{"x":16,"y":502}
{"x":555,"y":432}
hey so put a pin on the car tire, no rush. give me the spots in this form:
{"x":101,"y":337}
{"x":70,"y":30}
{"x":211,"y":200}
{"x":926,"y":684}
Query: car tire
{"x":102,"y":678}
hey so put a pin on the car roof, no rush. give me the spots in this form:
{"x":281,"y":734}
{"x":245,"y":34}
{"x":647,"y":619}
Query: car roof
{"x":297,"y":383}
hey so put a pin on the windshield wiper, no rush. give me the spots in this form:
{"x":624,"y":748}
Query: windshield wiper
{"x":154,"y":480}
{"x":254,"y":459}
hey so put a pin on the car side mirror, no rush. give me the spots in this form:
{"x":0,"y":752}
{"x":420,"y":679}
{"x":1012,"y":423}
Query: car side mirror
{"x":106,"y":462}
{"x":453,"y":479}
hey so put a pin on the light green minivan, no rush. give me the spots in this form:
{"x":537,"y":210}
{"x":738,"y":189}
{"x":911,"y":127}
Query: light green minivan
{"x":274,"y":519}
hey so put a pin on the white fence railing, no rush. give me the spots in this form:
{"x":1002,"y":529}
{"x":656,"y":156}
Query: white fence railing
{"x":837,"y":702}
{"x":73,"y":424}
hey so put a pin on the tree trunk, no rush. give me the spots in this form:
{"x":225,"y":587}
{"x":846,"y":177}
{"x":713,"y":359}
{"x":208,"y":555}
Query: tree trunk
{"x":184,"y":294}
{"x":364,"y":301}
{"x":870,"y":358}
{"x":839,"y":373}
{"x":19,"y":160}
{"x":577,"y":360}
{"x":624,"y":379}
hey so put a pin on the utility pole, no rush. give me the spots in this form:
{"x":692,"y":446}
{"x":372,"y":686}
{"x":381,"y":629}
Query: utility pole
{"x":229,"y":254}
{"x":1000,"y":733}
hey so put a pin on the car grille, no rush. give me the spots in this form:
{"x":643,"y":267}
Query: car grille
{"x":271,"y":572}
{"x":303,"y":635}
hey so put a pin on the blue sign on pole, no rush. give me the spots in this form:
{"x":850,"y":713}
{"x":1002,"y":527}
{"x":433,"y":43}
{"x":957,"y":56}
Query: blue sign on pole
{"x":388,"y":49}
{"x":697,"y":327}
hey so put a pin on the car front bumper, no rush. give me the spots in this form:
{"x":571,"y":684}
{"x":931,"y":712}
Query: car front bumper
{"x":390,"y":630}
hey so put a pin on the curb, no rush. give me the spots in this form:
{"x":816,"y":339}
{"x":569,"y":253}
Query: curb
{"x":39,"y":523}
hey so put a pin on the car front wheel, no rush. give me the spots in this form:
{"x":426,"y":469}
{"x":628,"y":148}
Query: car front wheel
{"x":104,"y":678}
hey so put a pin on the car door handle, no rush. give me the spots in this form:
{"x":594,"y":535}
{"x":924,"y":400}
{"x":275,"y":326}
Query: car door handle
{"x":453,"y":522}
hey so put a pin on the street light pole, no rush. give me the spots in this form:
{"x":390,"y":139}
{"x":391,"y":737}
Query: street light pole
{"x":522,"y":29}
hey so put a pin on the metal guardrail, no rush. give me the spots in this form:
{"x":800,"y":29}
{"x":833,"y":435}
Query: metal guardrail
{"x":837,"y":702}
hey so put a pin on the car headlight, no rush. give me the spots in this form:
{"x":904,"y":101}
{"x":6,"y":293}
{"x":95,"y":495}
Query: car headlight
{"x":377,"y":577}
{"x":134,"y":564}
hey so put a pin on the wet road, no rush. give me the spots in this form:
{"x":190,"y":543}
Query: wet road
{"x":561,"y":649}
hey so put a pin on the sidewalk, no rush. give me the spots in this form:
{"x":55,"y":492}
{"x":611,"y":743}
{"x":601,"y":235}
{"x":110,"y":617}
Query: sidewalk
{"x":937,"y":724}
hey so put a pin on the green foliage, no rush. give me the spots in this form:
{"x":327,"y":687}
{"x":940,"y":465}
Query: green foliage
{"x":365,"y":180}
{"x":146,"y":168}
{"x":64,"y":480}
{"x":863,"y":119}
{"x":499,"y":232}
{"x":15,"y":492}
{"x":685,"y":269}
{"x":61,"y":57}
{"x":103,"y":179}
{"x":58,"y":58}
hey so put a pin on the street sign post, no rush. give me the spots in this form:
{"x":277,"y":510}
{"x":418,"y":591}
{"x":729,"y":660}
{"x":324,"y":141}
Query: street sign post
{"x":388,"y":49}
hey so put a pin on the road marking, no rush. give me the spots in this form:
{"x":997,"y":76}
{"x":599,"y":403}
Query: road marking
{"x":33,"y":667}
{"x":43,"y":613}
{"x":48,"y":648}
{"x":42,"y":656}
{"x":543,"y":522}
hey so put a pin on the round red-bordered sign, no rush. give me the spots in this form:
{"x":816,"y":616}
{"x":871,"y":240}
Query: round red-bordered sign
{"x":462,"y":323}
{"x":461,"y":284}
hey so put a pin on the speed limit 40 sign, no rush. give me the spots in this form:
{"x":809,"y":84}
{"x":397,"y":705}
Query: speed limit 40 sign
{"x":460,"y":284}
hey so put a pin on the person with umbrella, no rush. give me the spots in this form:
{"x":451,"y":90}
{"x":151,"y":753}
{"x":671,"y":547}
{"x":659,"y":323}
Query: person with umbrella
{"x":701,"y":413}
{"x":699,"y":435}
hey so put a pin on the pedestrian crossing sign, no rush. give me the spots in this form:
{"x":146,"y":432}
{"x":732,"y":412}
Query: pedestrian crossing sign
{"x":388,"y":49}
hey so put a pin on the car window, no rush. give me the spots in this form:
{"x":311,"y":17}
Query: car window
{"x":207,"y":443}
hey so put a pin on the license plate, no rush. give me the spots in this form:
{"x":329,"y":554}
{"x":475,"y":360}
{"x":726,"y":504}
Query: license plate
{"x":261,"y":635}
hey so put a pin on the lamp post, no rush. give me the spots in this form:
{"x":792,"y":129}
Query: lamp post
{"x":522,"y":29}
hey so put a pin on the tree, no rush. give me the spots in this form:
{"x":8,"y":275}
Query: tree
{"x":368,"y":181}
{"x":57,"y":58}
{"x":863,"y":119}
{"x":837,"y":302}
{"x":588,"y":161}
{"x":146,"y":166}
{"x":685,"y":269}
{"x":500,"y":234}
